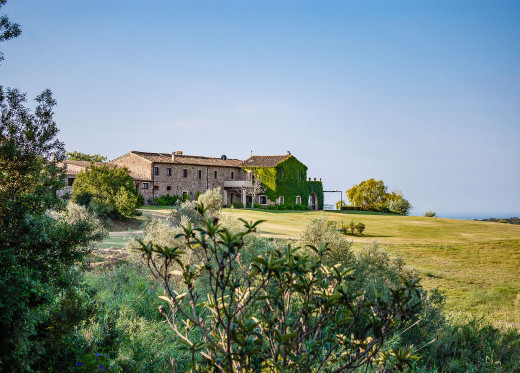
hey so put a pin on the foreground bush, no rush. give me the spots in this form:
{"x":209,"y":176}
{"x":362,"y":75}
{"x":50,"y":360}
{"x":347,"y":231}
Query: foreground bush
{"x":283,"y":310}
{"x":430,"y":214}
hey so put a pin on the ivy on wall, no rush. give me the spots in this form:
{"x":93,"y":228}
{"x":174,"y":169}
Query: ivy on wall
{"x":288,"y":179}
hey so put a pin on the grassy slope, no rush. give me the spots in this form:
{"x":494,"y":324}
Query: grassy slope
{"x":476,"y":264}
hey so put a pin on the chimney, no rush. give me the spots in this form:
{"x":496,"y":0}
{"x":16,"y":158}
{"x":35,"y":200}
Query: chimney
{"x":314,"y":179}
{"x":309,"y":179}
{"x":178,"y":152}
{"x":288,"y":152}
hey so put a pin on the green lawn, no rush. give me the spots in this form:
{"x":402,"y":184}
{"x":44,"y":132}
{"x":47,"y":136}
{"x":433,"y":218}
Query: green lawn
{"x":476,"y":264}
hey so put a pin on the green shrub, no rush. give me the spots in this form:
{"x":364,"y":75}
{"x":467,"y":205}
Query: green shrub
{"x":288,"y":206}
{"x":321,"y":230}
{"x":272,"y":302}
{"x":360,"y":228}
{"x":127,"y":325}
{"x":472,"y":345}
{"x":401,"y":206}
{"x":430,"y":214}
{"x":167,"y":200}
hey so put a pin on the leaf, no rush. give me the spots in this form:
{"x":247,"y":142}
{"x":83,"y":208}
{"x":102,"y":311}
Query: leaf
{"x":167,"y":299}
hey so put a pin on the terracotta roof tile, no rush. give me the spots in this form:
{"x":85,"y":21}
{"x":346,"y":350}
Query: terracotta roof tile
{"x":264,"y":160}
{"x":188,"y":159}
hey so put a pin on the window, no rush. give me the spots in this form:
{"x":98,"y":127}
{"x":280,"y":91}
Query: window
{"x":168,"y":171}
{"x":298,"y":200}
{"x":216,"y":174}
{"x":185,"y":195}
{"x":185,"y":173}
{"x":168,"y":188}
{"x":300,"y":175}
{"x":145,"y":185}
{"x":156,"y":187}
{"x":156,"y":170}
{"x":137,"y":186}
{"x":70,"y":181}
{"x":263,"y":200}
{"x":281,"y":200}
{"x":232,"y":175}
{"x":200,"y":174}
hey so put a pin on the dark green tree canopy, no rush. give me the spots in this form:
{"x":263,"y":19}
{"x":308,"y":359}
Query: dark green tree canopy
{"x":78,"y":156}
{"x":8,"y":30}
{"x":38,"y":240}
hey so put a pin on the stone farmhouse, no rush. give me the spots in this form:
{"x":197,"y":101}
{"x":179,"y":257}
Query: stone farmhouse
{"x":283,"y":177}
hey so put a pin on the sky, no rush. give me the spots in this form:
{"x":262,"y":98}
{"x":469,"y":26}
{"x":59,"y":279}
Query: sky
{"x":424,"y":95}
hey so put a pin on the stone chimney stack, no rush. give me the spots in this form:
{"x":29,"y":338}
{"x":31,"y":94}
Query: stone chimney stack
{"x":178,"y":152}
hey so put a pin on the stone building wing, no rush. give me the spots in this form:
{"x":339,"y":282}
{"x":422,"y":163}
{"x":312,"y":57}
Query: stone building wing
{"x":194,"y":160}
{"x":73,"y":168}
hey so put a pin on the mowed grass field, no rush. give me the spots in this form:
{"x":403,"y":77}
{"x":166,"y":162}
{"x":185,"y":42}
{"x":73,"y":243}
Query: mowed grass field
{"x":475,"y":264}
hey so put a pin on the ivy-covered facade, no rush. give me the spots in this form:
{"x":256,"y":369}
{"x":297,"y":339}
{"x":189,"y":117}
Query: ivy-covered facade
{"x":285,"y":181}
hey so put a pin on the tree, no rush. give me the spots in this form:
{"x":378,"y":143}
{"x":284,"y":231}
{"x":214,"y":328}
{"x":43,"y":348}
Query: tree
{"x":37,"y":249}
{"x":108,"y":189}
{"x":255,"y":188}
{"x":77,"y":156}
{"x":369,"y":194}
{"x":401,"y":206}
{"x":372,"y":194}
{"x":8,"y":30}
{"x":285,"y":310}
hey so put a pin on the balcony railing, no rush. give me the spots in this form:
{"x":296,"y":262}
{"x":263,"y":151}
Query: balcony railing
{"x":237,"y":183}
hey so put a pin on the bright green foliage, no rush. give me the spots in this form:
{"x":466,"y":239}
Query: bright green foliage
{"x":288,"y":179}
{"x":285,"y":310}
{"x":126,"y":202}
{"x":77,"y":156}
{"x":372,"y":194}
{"x":108,"y":189}
{"x":352,"y":228}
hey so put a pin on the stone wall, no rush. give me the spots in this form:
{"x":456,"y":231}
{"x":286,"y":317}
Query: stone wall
{"x":193,"y":182}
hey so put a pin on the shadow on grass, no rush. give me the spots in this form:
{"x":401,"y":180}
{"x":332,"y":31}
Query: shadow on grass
{"x":368,"y":235}
{"x":353,"y":212}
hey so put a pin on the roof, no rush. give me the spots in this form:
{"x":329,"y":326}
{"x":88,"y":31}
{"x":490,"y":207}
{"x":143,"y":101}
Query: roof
{"x":187,"y":159}
{"x":75,"y":167}
{"x":264,"y":160}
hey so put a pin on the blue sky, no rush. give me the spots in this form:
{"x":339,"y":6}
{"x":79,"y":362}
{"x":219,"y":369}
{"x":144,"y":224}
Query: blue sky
{"x":422,"y":94}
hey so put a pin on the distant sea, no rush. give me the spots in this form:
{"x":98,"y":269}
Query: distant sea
{"x":477,"y":216}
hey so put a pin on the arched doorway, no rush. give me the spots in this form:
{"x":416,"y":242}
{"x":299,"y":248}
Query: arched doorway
{"x":313,"y":201}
